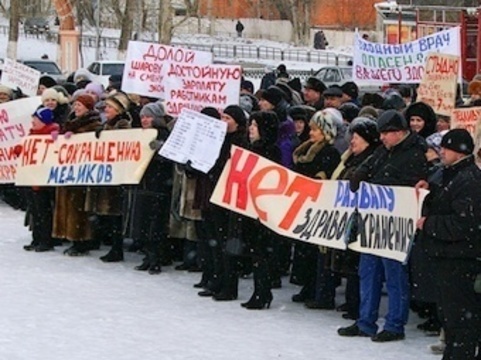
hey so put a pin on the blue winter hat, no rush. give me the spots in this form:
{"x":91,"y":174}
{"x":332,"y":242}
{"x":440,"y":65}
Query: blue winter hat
{"x":44,"y":114}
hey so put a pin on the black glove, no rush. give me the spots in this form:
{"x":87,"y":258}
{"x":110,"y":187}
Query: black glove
{"x":98,"y":130}
{"x":156,"y":144}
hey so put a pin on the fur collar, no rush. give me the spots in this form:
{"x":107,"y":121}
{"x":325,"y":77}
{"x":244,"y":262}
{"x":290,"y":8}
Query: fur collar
{"x":307,"y":151}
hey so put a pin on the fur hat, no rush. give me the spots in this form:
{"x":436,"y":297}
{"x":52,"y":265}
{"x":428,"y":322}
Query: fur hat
{"x":315,"y":84}
{"x":96,"y":89}
{"x":52,"y":93}
{"x":237,"y":113}
{"x":474,"y":87}
{"x":6,"y":90}
{"x":47,"y":81}
{"x":211,"y":111}
{"x":247,"y":85}
{"x":350,"y":89}
{"x":393,"y":102}
{"x":301,"y":112}
{"x":366,"y":128}
{"x":368,"y":111}
{"x":349,"y":111}
{"x":458,"y":140}
{"x":86,"y":100}
{"x":119,"y":101}
{"x":155,"y":110}
{"x":333,"y":91}
{"x":425,"y":112}
{"x":81,"y":75}
{"x":273,"y":95}
{"x":44,"y":114}
{"x":325,"y":121}
{"x":391,"y":120}
{"x":372,"y":99}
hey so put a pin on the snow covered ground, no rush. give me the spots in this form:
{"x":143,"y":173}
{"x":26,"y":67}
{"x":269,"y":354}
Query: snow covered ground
{"x":56,"y":307}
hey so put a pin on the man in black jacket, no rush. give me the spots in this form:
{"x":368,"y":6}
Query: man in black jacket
{"x":450,"y":233}
{"x":400,"y":162}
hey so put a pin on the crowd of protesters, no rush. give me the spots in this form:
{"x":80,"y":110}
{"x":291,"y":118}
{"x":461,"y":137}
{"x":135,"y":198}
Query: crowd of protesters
{"x":327,"y":133}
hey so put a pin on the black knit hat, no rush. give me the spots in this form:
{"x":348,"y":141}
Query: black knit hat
{"x":247,"y":85}
{"x":273,"y":95}
{"x":366,"y":128}
{"x":391,"y":120}
{"x":236,"y":112}
{"x":349,"y":111}
{"x":211,"y":111}
{"x":458,"y":140}
{"x":315,"y":84}
{"x":351,"y":89}
{"x":47,"y":81}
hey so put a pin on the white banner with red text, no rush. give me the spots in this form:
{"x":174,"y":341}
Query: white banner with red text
{"x":316,"y":211}
{"x":118,"y":157}
{"x":15,"y":120}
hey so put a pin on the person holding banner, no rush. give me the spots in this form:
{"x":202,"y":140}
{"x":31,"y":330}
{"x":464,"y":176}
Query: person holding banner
{"x":6,"y":94}
{"x":315,"y":158}
{"x":402,"y":162}
{"x":364,"y":141}
{"x":58,"y":103}
{"x":449,"y":234}
{"x":106,"y":201}
{"x":71,"y":220}
{"x":41,"y":197}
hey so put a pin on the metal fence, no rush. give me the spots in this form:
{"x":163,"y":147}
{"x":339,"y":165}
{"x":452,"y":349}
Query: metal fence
{"x":229,"y":51}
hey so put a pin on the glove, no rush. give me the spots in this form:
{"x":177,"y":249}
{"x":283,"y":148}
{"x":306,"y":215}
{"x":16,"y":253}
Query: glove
{"x":98,"y":131}
{"x":54,"y":135}
{"x":68,"y":134}
{"x":156,"y":144}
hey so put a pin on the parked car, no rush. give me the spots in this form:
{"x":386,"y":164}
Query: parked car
{"x":36,"y":25}
{"x":338,"y":75}
{"x":101,"y":70}
{"x":47,"y":67}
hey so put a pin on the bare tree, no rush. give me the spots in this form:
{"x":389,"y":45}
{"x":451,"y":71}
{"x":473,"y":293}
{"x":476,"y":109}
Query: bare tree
{"x":298,"y":12}
{"x":126,"y":26}
{"x":166,"y":22}
{"x":13,"y":32}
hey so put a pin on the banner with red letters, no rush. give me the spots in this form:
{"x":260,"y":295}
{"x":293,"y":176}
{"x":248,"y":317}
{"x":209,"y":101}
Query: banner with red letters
{"x":184,"y":78}
{"x":319,"y":212}
{"x":466,"y":118}
{"x":15,"y":120}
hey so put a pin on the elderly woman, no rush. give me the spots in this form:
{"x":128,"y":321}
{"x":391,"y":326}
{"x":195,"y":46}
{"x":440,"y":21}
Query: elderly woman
{"x":315,"y":158}
{"x":106,"y":201}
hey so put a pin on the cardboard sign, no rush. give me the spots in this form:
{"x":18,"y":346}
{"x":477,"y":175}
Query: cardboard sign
{"x":15,"y":120}
{"x":196,"y":138}
{"x":15,"y":74}
{"x":438,"y":86}
{"x":118,"y":157}
{"x":466,"y":118}
{"x":316,"y":211}
{"x":400,"y":63}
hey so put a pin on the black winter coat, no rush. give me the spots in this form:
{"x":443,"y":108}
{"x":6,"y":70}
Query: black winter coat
{"x":403,"y":165}
{"x":316,"y":160}
{"x":453,"y":213}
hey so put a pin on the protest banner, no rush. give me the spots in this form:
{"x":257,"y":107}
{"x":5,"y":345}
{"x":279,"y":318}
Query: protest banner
{"x":200,"y":86}
{"x":196,"y":138}
{"x":118,"y":157}
{"x":438,"y":85}
{"x":147,"y":66}
{"x":17,"y":75}
{"x":466,"y":118}
{"x":183,"y":78}
{"x":15,"y":120}
{"x":400,"y":63}
{"x":317,"y":211}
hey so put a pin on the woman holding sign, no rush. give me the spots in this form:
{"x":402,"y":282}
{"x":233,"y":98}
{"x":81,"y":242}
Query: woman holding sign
{"x":71,"y":221}
{"x":316,"y":158}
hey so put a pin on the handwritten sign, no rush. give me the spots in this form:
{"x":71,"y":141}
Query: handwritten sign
{"x":147,"y":66}
{"x":15,"y":74}
{"x":118,"y":157}
{"x":400,"y":63}
{"x":196,"y":138}
{"x":15,"y":119}
{"x":315,"y":211}
{"x":466,"y":118}
{"x":438,"y":86}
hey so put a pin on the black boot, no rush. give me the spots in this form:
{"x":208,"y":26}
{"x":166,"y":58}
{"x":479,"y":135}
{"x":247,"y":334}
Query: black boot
{"x":145,"y":264}
{"x":78,"y":248}
{"x":116,"y":253}
{"x":262,"y":296}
